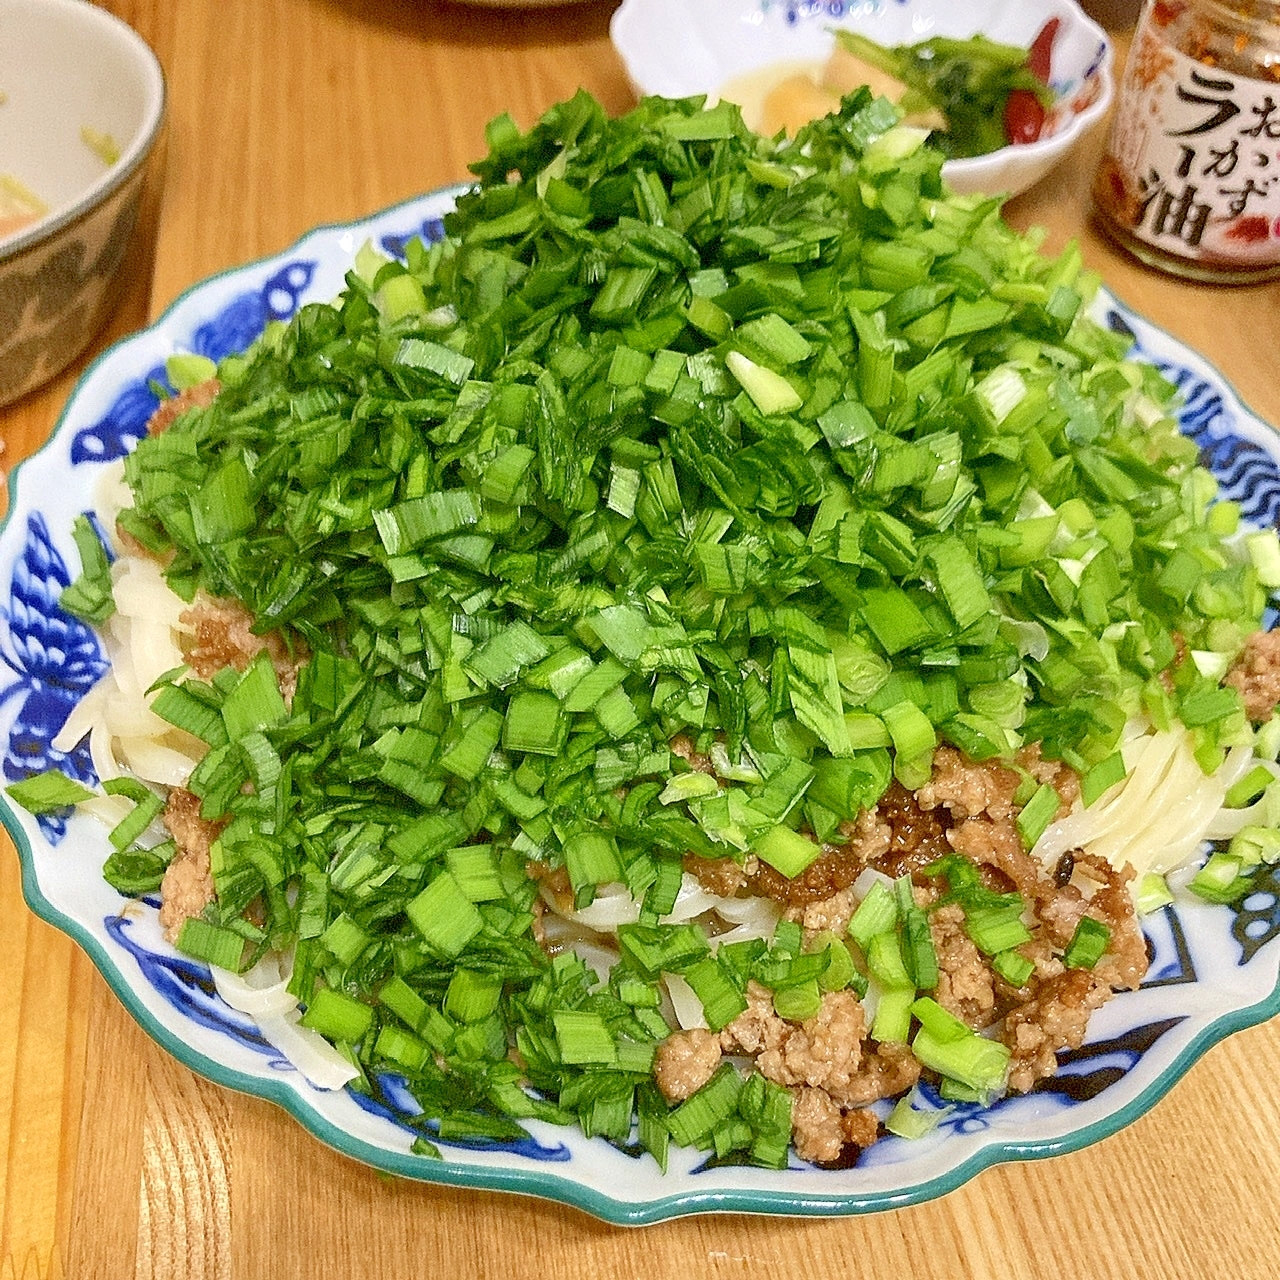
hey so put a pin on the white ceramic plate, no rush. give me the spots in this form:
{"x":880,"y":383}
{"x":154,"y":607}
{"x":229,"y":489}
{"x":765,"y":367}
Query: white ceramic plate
{"x":680,"y":48}
{"x":1214,"y":969}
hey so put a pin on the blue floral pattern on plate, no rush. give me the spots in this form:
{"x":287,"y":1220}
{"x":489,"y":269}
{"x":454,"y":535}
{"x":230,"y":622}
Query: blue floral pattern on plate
{"x":1213,"y":970}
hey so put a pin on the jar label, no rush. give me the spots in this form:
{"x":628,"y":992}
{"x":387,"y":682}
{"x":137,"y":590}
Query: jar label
{"x":1197,"y":150}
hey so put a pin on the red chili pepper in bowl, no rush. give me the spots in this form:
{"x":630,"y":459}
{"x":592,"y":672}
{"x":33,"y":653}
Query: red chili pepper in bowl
{"x":1023,"y":116}
{"x":1024,"y":113}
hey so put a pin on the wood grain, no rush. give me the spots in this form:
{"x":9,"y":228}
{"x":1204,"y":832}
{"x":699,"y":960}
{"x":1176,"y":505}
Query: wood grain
{"x":116,"y":1161}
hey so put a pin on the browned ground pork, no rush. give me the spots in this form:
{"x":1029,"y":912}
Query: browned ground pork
{"x":224,"y":637}
{"x":830,"y":1064}
{"x":187,"y":887}
{"x":685,"y":1061}
{"x":1256,"y":674}
{"x":197,"y":397}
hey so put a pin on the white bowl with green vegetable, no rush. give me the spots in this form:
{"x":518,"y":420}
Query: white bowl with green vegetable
{"x":1010,"y":110}
{"x":82,"y":101}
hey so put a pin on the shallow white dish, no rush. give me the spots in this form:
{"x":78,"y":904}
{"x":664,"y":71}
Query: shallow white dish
{"x":1214,"y":969}
{"x":681,"y":48}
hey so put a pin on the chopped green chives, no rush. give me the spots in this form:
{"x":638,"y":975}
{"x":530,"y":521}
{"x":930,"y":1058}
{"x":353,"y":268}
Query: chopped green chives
{"x":910,"y":729}
{"x":1013,"y":967}
{"x":697,"y":1116}
{"x":1036,"y":815}
{"x":877,"y":913}
{"x":1087,"y":944}
{"x":1249,"y":788}
{"x":974,"y":1061}
{"x":254,"y":701}
{"x":591,"y":858}
{"x":211,"y":943}
{"x":919,"y":955}
{"x":798,"y":1003}
{"x":785,"y":850}
{"x":912,"y":1122}
{"x":474,"y":868}
{"x":533,"y":723}
{"x":1101,"y":777}
{"x":1152,"y":894}
{"x":472,"y":996}
{"x":885,"y":960}
{"x":722,"y":1001}
{"x":1220,"y":880}
{"x":89,"y":596}
{"x":467,"y":756}
{"x":345,"y":939}
{"x":583,"y":1038}
{"x":996,"y":929}
{"x":338,"y":1016}
{"x":444,"y":915}
{"x":892,"y":1021}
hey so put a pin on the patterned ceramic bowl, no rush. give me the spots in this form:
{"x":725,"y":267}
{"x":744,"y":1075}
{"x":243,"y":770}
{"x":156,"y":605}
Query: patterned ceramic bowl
{"x":82,"y":102}
{"x":678,"y":48}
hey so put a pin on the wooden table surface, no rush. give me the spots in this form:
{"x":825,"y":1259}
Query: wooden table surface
{"x":115,"y":1161}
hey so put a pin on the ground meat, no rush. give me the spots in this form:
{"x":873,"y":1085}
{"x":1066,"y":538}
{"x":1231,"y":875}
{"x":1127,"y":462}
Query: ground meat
{"x":885,"y":1071}
{"x":554,"y":881}
{"x":997,"y":847}
{"x":827,"y":1048}
{"x":830,"y":915}
{"x":685,"y":1061}
{"x":722,"y":876}
{"x":822,"y":1052}
{"x":834,"y":870}
{"x":1256,"y":674}
{"x":1059,"y":775}
{"x":829,"y":875}
{"x":917,"y":836}
{"x":861,"y":1127}
{"x":682,"y":746}
{"x":821,"y":1130}
{"x":202,"y":394}
{"x":868,"y":835}
{"x":967,"y":789}
{"x":817,"y":1129}
{"x":966,"y":986}
{"x":224,"y":637}
{"x":1125,"y":961}
{"x":757,"y":1027}
{"x":187,"y":887}
{"x":1056,"y":1017}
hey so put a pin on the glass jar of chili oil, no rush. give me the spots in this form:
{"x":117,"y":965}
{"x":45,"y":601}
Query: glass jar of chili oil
{"x":1190,"y":180}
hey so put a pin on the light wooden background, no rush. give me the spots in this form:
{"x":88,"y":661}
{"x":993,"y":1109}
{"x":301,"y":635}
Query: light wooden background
{"x":117,"y":1162}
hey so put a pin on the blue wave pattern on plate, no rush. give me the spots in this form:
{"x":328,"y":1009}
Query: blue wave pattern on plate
{"x":391,"y":1100}
{"x":1257,"y":914}
{"x":796,"y":10}
{"x":188,"y":986}
{"x":56,"y":659}
{"x":1245,"y":471}
{"x":428,"y":230}
{"x":228,"y":332}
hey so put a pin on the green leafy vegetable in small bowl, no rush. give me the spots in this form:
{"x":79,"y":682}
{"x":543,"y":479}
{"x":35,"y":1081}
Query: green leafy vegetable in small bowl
{"x":990,"y":94}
